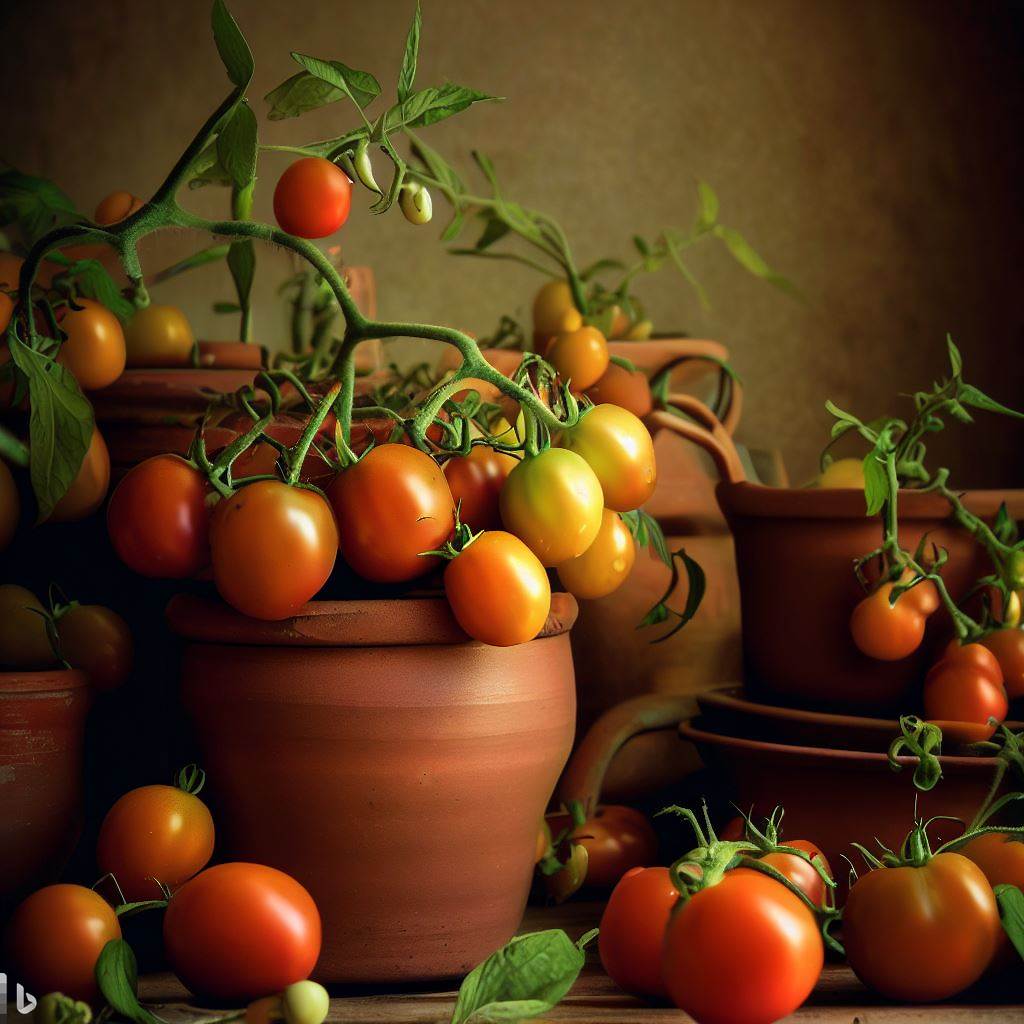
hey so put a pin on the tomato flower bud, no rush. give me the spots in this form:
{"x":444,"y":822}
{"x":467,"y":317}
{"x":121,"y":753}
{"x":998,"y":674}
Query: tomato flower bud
{"x":416,"y":203}
{"x":364,"y":168}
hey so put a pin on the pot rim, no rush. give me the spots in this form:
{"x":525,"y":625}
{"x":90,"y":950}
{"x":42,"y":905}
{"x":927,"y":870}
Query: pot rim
{"x":50,"y":680}
{"x":795,"y":751}
{"x":746,"y":499}
{"x":380,"y":622}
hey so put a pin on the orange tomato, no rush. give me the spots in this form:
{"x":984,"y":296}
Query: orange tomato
{"x":963,"y":690}
{"x":115,"y":207}
{"x":475,"y":481}
{"x":94,"y":351}
{"x":580,"y":356}
{"x":605,"y":565}
{"x":1008,"y":647}
{"x":629,"y":389}
{"x":89,"y":487}
{"x":884,"y":631}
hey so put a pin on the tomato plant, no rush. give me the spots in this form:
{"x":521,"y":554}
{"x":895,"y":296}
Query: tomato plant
{"x":84,"y":922}
{"x":605,"y":565}
{"x":97,"y":641}
{"x":158,"y":519}
{"x":237,"y":931}
{"x":1008,"y":647}
{"x":156,"y":834}
{"x":628,"y":389}
{"x":89,"y":487}
{"x":24,"y":641}
{"x":94,"y":350}
{"x":633,"y":927}
{"x":885,"y":631}
{"x":553,"y":502}
{"x":10,"y":506}
{"x":963,"y":690}
{"x":619,"y":449}
{"x":159,"y":336}
{"x":616,"y":839}
{"x":273,"y":546}
{"x":116,"y":207}
{"x":498,"y":590}
{"x":392,"y":505}
{"x":580,"y":356}
{"x":475,"y":481}
{"x":312,"y":198}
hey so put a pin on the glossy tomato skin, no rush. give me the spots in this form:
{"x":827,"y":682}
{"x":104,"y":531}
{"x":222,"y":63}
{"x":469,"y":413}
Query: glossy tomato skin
{"x":116,"y":207}
{"x":158,"y":518}
{"x":312,"y":198}
{"x":553,"y":307}
{"x":392,"y":505}
{"x":89,"y":488}
{"x":97,"y":641}
{"x":85,"y":923}
{"x":921,"y":934}
{"x":801,"y":873}
{"x":159,"y":337}
{"x":619,"y":449}
{"x":628,"y":389}
{"x":475,"y":481}
{"x":23,"y":639}
{"x":580,"y":356}
{"x":498,"y":590}
{"x":554,"y":504}
{"x":633,"y":928}
{"x":605,"y":565}
{"x":761,"y":951}
{"x":10,"y":506}
{"x":239,"y":931}
{"x":887,"y":632}
{"x":155,"y":832}
{"x":273,"y":547}
{"x":617,"y":839}
{"x":1001,"y":858}
{"x":1008,"y":647}
{"x":94,"y":350}
{"x":963,"y":690}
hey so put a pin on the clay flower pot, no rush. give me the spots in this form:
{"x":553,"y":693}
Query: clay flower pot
{"x":42,"y":720}
{"x":396,"y":769}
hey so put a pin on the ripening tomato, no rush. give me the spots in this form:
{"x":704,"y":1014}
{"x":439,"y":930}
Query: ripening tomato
{"x":616,"y":839}
{"x":273,"y":547}
{"x":921,"y":934}
{"x":884,"y":631}
{"x":553,"y":502}
{"x":605,"y":565}
{"x":89,"y":487}
{"x":237,"y":931}
{"x":94,"y":351}
{"x":498,"y":590}
{"x":24,"y":642}
{"x":1008,"y":647}
{"x":155,"y":834}
{"x":392,"y":505}
{"x":580,"y":356}
{"x":553,"y":310}
{"x":761,"y":952}
{"x":1001,"y":858}
{"x":116,"y":207}
{"x":843,"y":473}
{"x":158,"y":519}
{"x":633,"y":928}
{"x":628,"y":389}
{"x":800,"y":872}
{"x":159,"y":336}
{"x":312,"y":198}
{"x":97,"y":641}
{"x":618,"y":448}
{"x":963,"y":690}
{"x":56,"y":936}
{"x":475,"y":481}
{"x":10,"y":506}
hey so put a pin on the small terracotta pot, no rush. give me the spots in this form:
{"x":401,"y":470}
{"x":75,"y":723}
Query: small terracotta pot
{"x":396,"y":769}
{"x":42,"y":721}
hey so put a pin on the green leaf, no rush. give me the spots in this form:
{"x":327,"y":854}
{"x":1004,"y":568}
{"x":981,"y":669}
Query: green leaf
{"x":94,"y":282}
{"x":33,"y":205}
{"x":494,"y":230}
{"x":1011,"y":912}
{"x":237,"y":146}
{"x":117,"y":977}
{"x":745,"y":255}
{"x":647,"y":532}
{"x":330,"y":149}
{"x":708,"y":214}
{"x":207,"y":169}
{"x":428,"y":106}
{"x":876,"y":483}
{"x":524,"y":979}
{"x":969,"y":395}
{"x":60,"y":426}
{"x":407,"y":75}
{"x":211,"y":254}
{"x":956,"y":361}
{"x":242,"y":264}
{"x":319,"y":84}
{"x":676,"y":257}
{"x":231,"y":45}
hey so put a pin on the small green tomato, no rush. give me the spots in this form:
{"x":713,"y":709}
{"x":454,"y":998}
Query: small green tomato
{"x":57,"y":1008}
{"x":305,"y":1002}
{"x":416,"y":203}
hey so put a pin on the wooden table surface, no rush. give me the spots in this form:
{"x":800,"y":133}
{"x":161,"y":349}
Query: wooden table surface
{"x":838,"y":999}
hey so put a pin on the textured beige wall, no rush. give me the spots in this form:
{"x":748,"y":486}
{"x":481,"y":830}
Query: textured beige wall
{"x":871,"y":150}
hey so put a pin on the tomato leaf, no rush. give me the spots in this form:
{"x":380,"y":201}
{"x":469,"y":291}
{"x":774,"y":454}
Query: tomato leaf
{"x":524,"y":979}
{"x":708,"y":213}
{"x":237,"y":146}
{"x":407,"y":75}
{"x":227,"y":307}
{"x":745,"y":255}
{"x":956,"y":360}
{"x":242,"y":264}
{"x":319,"y":84}
{"x":231,"y":45}
{"x":117,"y":977}
{"x":94,"y":282}
{"x":60,"y":426}
{"x":207,"y":169}
{"x":1011,"y":912}
{"x":33,"y":205}
{"x":970,"y":395}
{"x":428,"y":106}
{"x":675,"y":253}
{"x":876,"y":482}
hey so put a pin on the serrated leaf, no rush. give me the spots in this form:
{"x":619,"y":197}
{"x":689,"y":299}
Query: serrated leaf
{"x":237,"y":146}
{"x":407,"y":75}
{"x":428,"y":106}
{"x":318,"y":85}
{"x":231,"y":45}
{"x":708,"y":212}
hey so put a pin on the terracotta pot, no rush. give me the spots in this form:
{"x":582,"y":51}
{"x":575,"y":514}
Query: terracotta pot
{"x":794,"y":553}
{"x":836,"y":797}
{"x":42,"y":720}
{"x":395,"y":768}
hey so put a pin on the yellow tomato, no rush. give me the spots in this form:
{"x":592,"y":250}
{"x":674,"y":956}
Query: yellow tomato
{"x":550,"y":306}
{"x":159,"y":336}
{"x":94,"y":351}
{"x":843,"y":473}
{"x":580,"y":357}
{"x":604,"y":566}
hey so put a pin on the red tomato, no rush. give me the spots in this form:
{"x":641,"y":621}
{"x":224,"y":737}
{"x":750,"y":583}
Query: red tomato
{"x":475,"y":481}
{"x":1008,"y":647}
{"x":498,"y":590}
{"x":158,"y":519}
{"x":921,"y":934}
{"x":963,"y":690}
{"x":801,"y":873}
{"x":628,"y":389}
{"x":273,"y":547}
{"x":89,"y":488}
{"x":392,"y":505}
{"x":1001,"y":858}
{"x":239,"y":931}
{"x":580,"y":356}
{"x":94,"y":350}
{"x":56,"y":937}
{"x":155,"y":833}
{"x":884,"y":631}
{"x":760,"y":951}
{"x":97,"y":641}
{"x":633,"y":930}
{"x":312,"y":198}
{"x":616,"y":839}
{"x":605,"y":565}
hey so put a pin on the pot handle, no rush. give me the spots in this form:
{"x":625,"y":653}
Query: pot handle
{"x":584,"y":775}
{"x":730,"y":414}
{"x":708,"y":432}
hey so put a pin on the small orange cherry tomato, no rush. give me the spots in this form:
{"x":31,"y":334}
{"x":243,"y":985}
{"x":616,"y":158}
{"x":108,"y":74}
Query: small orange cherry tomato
{"x":1008,"y":647}
{"x":629,"y":389}
{"x":94,"y":351}
{"x":884,"y":631}
{"x":963,"y":690}
{"x":475,"y":481}
{"x":115,"y":207}
{"x":89,"y":487}
{"x":312,"y":198}
{"x":580,"y":356}
{"x":97,"y":641}
{"x":799,"y":871}
{"x":605,"y":565}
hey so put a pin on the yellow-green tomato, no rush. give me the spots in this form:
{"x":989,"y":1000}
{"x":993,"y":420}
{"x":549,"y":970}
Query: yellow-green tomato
{"x":618,"y":448}
{"x":24,"y":643}
{"x":159,"y":336}
{"x":305,"y":1002}
{"x":843,"y":473}
{"x":604,"y":566}
{"x":553,"y":503}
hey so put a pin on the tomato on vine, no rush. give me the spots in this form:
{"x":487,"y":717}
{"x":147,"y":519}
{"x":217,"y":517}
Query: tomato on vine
{"x":89,"y":487}
{"x":312,"y":198}
{"x":554,"y":310}
{"x":160,"y":337}
{"x":1008,"y":647}
{"x":616,"y":839}
{"x":116,"y":207}
{"x":964,"y":690}
{"x":97,"y":641}
{"x":273,"y":546}
{"x":605,"y":565}
{"x":886,"y":631}
{"x":475,"y":481}
{"x":94,"y":350}
{"x":580,"y":356}
{"x":628,"y":389}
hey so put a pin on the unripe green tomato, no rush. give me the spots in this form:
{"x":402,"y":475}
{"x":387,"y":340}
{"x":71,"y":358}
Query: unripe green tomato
{"x":364,"y":168}
{"x":305,"y":1002}
{"x":1015,"y":570}
{"x":57,"y":1008}
{"x":416,"y":203}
